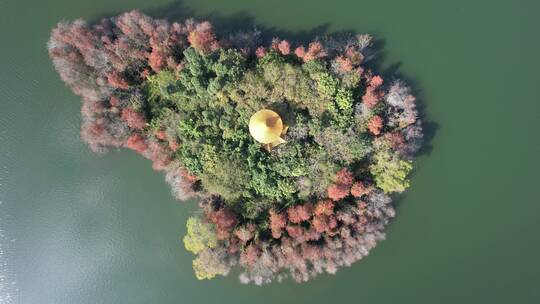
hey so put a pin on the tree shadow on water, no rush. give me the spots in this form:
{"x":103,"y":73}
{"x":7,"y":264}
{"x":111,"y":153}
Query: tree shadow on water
{"x":234,"y":23}
{"x":392,"y":72}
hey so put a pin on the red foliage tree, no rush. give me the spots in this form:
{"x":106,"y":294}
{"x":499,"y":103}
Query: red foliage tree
{"x":202,"y":38}
{"x":157,"y":60}
{"x":311,"y":234}
{"x":192,"y":179}
{"x":294,"y":217}
{"x":295,"y":232}
{"x":284,"y":47}
{"x":359,"y":188}
{"x":305,"y":211}
{"x":337,"y":192}
{"x":250,"y":255}
{"x":114,"y":101}
{"x":373,"y":95}
{"x":315,"y":51}
{"x":340,"y":189}
{"x":325,"y":207}
{"x":300,"y":213}
{"x":344,"y":177}
{"x":234,"y":246}
{"x":375,"y":125}
{"x":160,"y":156}
{"x":134,"y":119}
{"x":278,"y":221}
{"x":225,"y":220}
{"x":376,"y":81}
{"x":300,"y":52}
{"x":370,"y":98}
{"x":116,"y":80}
{"x":345,"y":64}
{"x":173,"y":145}
{"x":161,"y":135}
{"x":324,"y":223}
{"x":136,"y":142}
{"x":260,"y":52}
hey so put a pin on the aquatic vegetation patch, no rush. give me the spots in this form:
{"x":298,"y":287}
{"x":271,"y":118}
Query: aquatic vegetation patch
{"x":312,"y":198}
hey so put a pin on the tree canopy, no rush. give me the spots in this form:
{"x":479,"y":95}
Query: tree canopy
{"x":182,"y":96}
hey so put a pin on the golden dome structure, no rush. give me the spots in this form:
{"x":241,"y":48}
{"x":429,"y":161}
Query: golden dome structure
{"x":267,"y":128}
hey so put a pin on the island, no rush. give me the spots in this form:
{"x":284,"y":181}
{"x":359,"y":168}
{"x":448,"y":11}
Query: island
{"x":291,"y":150}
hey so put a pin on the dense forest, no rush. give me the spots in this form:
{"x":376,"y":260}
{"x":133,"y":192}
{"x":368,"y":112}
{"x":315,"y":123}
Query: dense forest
{"x":182,"y":96}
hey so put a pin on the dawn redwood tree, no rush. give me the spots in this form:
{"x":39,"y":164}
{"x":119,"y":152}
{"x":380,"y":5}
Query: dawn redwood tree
{"x":342,"y":185}
{"x":373,"y":94}
{"x":359,"y":189}
{"x":134,"y":119}
{"x":278,"y":221}
{"x":260,"y":52}
{"x":375,"y":125}
{"x":345,"y":65}
{"x":325,"y":207}
{"x":300,"y":52}
{"x":202,"y":38}
{"x":136,"y":142}
{"x":300,"y":213}
{"x":284,"y":47}
{"x":337,"y":192}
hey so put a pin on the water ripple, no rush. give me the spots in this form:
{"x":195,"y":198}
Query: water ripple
{"x":8,"y":285}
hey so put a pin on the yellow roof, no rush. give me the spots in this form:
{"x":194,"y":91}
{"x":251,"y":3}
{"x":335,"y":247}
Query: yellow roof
{"x":266,"y":126}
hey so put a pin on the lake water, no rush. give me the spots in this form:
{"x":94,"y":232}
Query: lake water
{"x":76,"y":227}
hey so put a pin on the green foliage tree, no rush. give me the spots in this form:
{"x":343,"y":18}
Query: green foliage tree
{"x":200,"y":236}
{"x":226,"y":177}
{"x":390,"y":172}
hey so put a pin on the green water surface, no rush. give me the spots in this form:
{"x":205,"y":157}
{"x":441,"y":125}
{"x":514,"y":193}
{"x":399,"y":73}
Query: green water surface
{"x":80,"y":228}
